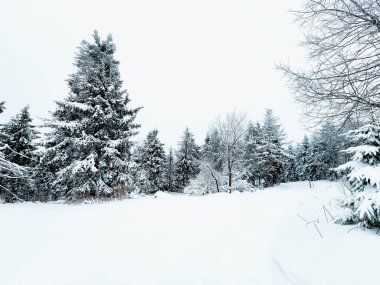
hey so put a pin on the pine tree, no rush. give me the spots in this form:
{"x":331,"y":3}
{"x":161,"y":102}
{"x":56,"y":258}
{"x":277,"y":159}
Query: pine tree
{"x":153,"y":159}
{"x":290,"y":167}
{"x":303,"y":157}
{"x":89,"y":148}
{"x":252,"y":153}
{"x":187,"y":162}
{"x":271,"y":151}
{"x":212,"y":149}
{"x":363,"y":174}
{"x":19,"y":137}
{"x":327,"y":144}
{"x":314,"y":166}
{"x":169,"y":172}
{"x":2,"y":106}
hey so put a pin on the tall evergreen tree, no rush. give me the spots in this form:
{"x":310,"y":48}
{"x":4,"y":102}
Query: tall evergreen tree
{"x":327,"y":144}
{"x":169,"y":172}
{"x":271,"y":151}
{"x":253,"y":141}
{"x":89,"y":147}
{"x":153,"y":159}
{"x":303,"y":157}
{"x":187,"y":162}
{"x":18,"y":136}
{"x":290,"y":169}
{"x":212,"y":149}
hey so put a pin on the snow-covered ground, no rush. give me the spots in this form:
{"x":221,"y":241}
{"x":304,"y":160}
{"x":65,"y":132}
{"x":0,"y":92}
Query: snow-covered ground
{"x":239,"y":238}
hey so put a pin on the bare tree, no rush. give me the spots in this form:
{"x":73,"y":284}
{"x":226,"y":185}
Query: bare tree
{"x":343,"y":40}
{"x":232,"y":130}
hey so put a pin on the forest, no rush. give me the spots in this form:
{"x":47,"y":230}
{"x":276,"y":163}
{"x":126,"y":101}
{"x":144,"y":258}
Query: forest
{"x":89,"y":150}
{"x":84,"y":199}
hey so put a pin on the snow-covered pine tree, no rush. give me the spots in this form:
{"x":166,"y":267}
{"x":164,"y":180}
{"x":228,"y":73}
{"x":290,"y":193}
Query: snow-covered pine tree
{"x":153,"y":159}
{"x":271,"y":150}
{"x":327,"y":144}
{"x":290,"y":169}
{"x":89,"y":147}
{"x":169,"y":177}
{"x":212,"y":149}
{"x":253,"y":140}
{"x":363,"y":174}
{"x":210,"y":177}
{"x":2,"y":106}
{"x":18,"y":135}
{"x":303,"y":157}
{"x":187,"y":162}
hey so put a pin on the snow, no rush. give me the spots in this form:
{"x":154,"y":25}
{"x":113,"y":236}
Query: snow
{"x":238,"y":238}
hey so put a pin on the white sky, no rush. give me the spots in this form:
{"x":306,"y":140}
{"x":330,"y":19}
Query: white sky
{"x":185,"y":61}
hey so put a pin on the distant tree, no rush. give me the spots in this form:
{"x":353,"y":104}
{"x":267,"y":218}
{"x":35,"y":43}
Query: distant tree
{"x":303,"y":156}
{"x":187,"y":162}
{"x":88,"y":150}
{"x":212,"y":149}
{"x":169,"y":174}
{"x":232,"y":131}
{"x":253,"y":140}
{"x":153,"y":162}
{"x":271,"y":151}
{"x":210,"y":179}
{"x":327,"y":144}
{"x":290,"y":167}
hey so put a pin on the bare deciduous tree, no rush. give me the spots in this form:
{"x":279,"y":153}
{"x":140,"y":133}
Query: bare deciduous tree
{"x":343,"y":40}
{"x":232,"y":131}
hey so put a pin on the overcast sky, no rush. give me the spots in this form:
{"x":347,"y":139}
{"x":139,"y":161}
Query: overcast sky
{"x":185,"y":61}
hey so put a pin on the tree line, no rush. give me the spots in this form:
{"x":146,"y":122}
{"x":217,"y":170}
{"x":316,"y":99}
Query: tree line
{"x":89,"y":149}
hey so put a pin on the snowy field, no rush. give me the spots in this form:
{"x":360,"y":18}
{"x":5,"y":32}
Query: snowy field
{"x":241,"y":238}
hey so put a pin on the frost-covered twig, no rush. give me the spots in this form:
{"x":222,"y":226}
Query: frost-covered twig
{"x":311,"y":222}
{"x":353,"y":229}
{"x":326,"y":211}
{"x":318,"y":230}
{"x":302,"y":218}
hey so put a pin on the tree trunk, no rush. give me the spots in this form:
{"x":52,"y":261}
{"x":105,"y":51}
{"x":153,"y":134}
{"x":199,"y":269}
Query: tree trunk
{"x":229,"y":178}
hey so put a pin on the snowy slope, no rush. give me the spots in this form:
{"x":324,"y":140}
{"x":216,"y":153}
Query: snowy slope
{"x":242,"y":238}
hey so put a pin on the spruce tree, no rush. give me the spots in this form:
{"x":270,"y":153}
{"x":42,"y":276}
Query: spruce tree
{"x":89,"y":147}
{"x":2,"y":106}
{"x":252,"y":153}
{"x":290,"y":169}
{"x":19,"y":137}
{"x":271,"y":151}
{"x":327,"y":144}
{"x":363,"y":175}
{"x":212,"y":149}
{"x":152,"y":160}
{"x":303,"y":157}
{"x":187,"y":162}
{"x":169,"y":171}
